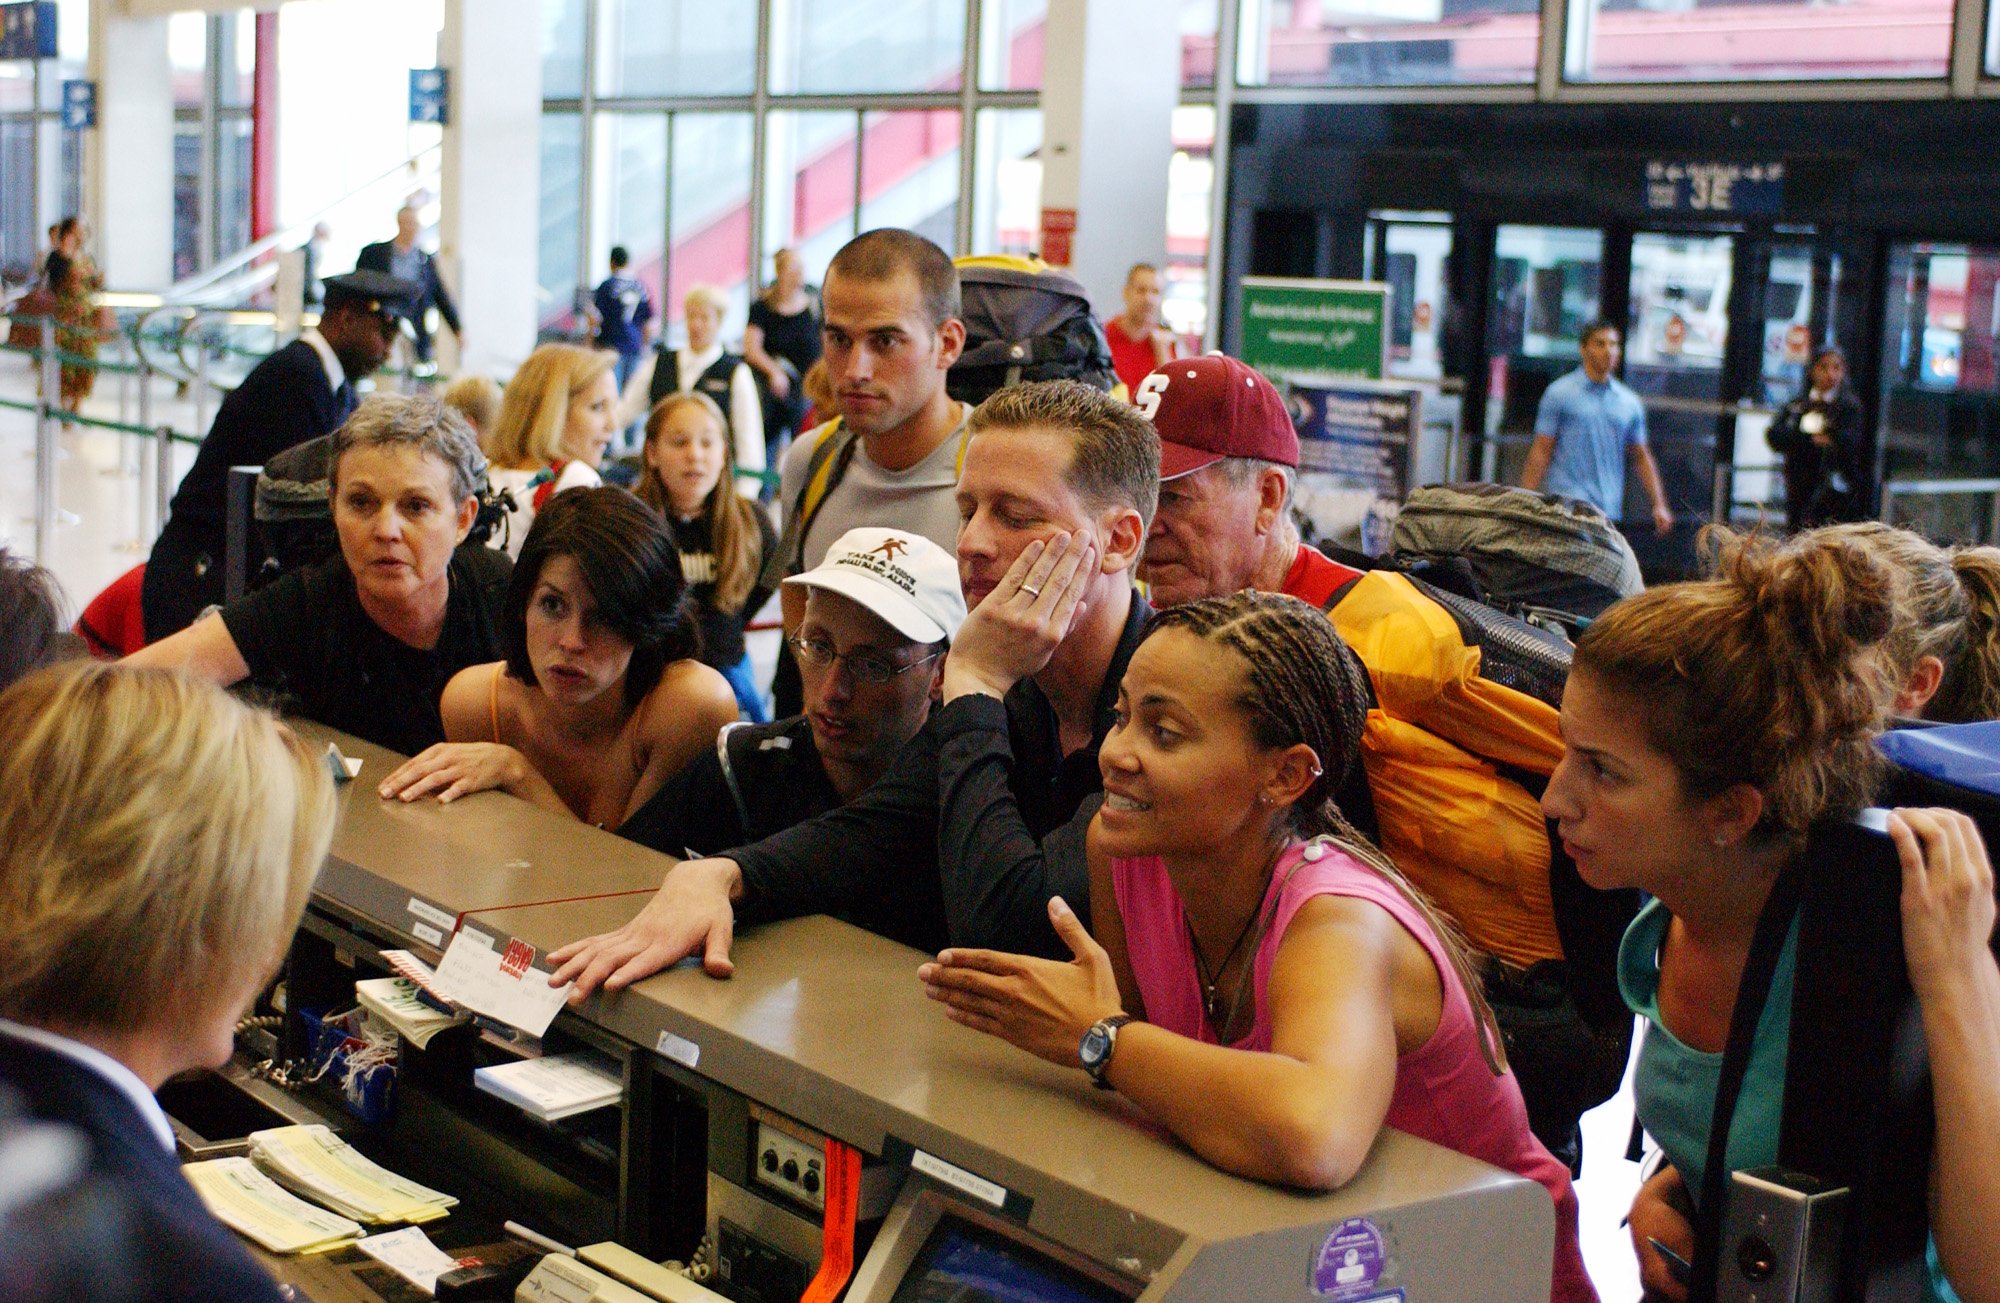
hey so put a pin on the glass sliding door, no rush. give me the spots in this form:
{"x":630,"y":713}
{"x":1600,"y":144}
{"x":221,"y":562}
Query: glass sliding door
{"x":1676,"y":337}
{"x":1545,"y":288}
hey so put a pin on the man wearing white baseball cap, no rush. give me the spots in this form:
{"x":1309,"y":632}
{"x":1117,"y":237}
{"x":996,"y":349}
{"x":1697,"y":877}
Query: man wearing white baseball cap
{"x":880,"y":611}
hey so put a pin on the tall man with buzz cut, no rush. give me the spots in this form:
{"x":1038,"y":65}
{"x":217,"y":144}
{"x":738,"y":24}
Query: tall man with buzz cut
{"x":890,"y":332}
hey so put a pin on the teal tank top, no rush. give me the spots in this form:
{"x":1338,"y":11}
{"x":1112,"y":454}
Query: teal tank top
{"x":1673,"y":1087}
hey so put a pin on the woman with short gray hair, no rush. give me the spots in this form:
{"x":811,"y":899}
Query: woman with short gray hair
{"x":366,"y":640}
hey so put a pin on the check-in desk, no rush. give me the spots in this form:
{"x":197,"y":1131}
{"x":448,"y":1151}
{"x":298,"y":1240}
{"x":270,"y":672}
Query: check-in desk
{"x":824,"y":1032}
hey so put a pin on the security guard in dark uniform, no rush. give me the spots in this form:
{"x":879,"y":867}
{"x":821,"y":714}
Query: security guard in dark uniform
{"x":300,"y":392}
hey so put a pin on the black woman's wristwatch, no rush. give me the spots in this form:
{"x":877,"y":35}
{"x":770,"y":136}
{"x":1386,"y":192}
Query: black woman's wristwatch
{"x":1096,"y":1047}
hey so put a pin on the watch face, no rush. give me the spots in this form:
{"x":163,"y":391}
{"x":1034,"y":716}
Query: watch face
{"x":1095,"y":1043}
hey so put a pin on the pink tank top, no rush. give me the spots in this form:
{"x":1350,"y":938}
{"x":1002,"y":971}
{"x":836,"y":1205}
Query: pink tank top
{"x":1444,"y":1092}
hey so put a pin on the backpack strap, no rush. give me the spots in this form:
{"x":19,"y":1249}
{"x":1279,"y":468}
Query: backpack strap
{"x":722,"y":747}
{"x":1752,"y":993}
{"x":832,"y":452}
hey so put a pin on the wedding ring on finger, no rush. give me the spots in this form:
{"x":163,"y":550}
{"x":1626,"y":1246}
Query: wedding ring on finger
{"x":1031,"y":590}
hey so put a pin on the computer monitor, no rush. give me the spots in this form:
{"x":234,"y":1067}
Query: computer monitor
{"x":935,"y":1248}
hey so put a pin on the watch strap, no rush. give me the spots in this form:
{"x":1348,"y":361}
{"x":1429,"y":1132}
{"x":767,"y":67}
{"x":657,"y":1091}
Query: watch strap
{"x":1108,"y":1029}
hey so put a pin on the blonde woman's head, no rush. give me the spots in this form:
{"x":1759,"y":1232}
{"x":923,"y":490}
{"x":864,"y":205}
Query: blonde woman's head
{"x":703,"y":309}
{"x":535,"y":410}
{"x":157,"y":842}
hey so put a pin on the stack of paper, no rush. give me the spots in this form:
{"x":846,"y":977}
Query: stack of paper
{"x":553,"y":1088}
{"x":326,"y":1169}
{"x":394,"y":1000}
{"x":246,"y":1200}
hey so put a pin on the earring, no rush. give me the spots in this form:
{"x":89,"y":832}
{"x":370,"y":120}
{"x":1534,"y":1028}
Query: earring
{"x":1721,"y":839}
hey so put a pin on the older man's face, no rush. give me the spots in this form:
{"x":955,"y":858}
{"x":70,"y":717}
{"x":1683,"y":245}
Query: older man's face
{"x":1204,"y":541}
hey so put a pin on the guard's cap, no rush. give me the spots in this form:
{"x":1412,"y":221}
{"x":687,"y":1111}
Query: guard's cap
{"x":373,"y":291}
{"x":909,"y":581}
{"x":1212,"y":407}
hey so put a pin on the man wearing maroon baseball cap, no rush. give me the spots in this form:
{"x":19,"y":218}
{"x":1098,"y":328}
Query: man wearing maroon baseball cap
{"x":1228,"y":454}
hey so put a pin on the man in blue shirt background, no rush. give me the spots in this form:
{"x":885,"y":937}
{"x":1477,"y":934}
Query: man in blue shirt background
{"x":1588,"y":426}
{"x":624,"y":313}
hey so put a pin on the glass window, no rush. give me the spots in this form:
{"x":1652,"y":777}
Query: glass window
{"x":629,"y":197}
{"x":187,"y":57}
{"x":1411,"y":252}
{"x":1198,"y":22}
{"x":909,"y":173}
{"x":1389,"y":42}
{"x":187,"y":199}
{"x":833,"y":47}
{"x":1012,"y":34}
{"x":1010,"y":44}
{"x":1993,"y":39}
{"x":1941,"y":383}
{"x":21,"y":236}
{"x":557,"y":277}
{"x":809,"y":178}
{"x":676,"y":47}
{"x":1007,"y":181}
{"x":232,"y":184}
{"x":708,"y":218}
{"x":1725,"y":40}
{"x":239,"y":51}
{"x":562,"y":49}
{"x":1190,"y":189}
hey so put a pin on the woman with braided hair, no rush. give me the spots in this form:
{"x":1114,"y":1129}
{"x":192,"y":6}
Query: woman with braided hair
{"x":1263,"y":981}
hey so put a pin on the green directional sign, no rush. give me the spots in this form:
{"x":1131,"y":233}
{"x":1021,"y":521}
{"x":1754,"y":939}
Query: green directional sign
{"x":1306,"y":330}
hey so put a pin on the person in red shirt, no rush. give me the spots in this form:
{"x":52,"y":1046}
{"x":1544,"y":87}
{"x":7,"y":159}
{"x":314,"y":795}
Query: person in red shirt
{"x":1228,"y":456}
{"x":1138,"y":341}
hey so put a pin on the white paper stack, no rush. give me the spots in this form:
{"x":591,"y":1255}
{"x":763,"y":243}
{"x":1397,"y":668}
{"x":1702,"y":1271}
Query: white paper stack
{"x":249,"y":1202}
{"x":553,"y":1088}
{"x":394,"y":1000}
{"x":318,"y":1164}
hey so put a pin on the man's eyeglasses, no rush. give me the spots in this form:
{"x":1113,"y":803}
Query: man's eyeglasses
{"x":866,"y":667}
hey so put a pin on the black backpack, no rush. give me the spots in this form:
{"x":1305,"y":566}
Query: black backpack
{"x":1533,"y":555}
{"x":1024,"y":321}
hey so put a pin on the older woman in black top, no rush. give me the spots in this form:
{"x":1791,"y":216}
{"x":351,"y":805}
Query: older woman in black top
{"x":366,"y":640}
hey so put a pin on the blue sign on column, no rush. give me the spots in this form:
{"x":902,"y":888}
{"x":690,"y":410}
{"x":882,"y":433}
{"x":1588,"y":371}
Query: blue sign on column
{"x":28,"y":31}
{"x":430,"y":89}
{"x":79,"y":104}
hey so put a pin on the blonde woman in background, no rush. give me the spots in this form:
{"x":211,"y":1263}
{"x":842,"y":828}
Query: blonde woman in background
{"x":157,"y":841}
{"x":477,"y":399}
{"x":558,"y":415}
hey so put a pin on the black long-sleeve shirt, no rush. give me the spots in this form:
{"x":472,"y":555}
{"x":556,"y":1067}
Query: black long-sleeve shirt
{"x":977,"y":823}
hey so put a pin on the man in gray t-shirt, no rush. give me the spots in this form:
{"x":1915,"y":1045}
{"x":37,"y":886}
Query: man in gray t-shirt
{"x":891,"y":332}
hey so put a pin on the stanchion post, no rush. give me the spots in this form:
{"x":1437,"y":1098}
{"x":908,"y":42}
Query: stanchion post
{"x":163,"y":477}
{"x":45,"y":445}
{"x":200,"y":383}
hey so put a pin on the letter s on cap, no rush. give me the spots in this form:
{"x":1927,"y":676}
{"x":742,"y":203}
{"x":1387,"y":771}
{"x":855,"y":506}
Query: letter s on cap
{"x":1147,"y":400}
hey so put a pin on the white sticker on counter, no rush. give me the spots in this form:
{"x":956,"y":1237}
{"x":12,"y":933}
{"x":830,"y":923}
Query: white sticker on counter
{"x":431,"y":914}
{"x":958,"y":1178}
{"x":427,"y":934}
{"x":678,"y":1048}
